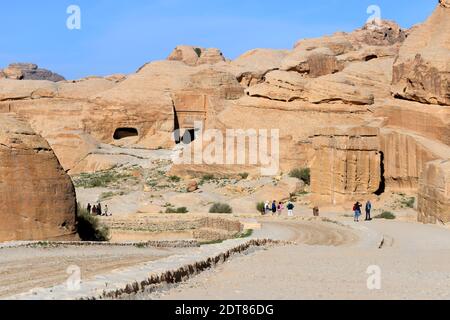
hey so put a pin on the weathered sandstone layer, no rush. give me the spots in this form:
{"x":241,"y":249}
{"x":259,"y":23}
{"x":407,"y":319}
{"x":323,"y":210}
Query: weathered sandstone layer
{"x":37,"y":198}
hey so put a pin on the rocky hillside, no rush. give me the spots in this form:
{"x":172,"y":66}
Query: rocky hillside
{"x":367,"y":111}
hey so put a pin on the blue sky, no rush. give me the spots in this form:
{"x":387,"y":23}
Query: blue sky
{"x":120,"y":36}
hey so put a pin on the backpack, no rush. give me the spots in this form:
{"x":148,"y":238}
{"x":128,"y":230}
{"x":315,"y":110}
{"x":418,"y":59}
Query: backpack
{"x":355,"y":207}
{"x":290,"y":206}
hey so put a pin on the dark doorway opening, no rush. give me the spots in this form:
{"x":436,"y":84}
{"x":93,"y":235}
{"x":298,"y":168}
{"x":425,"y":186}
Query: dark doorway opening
{"x":382,"y":187}
{"x":185,"y":136}
{"x":122,"y":133}
{"x":371,"y":57}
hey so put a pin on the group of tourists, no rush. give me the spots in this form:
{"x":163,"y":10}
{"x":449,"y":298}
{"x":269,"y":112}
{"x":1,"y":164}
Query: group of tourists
{"x":275,"y":208}
{"x":357,"y":211}
{"x":97,"y":210}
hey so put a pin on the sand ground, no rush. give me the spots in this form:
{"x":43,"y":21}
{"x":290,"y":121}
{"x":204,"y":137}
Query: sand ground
{"x":414,"y":264}
{"x":23,"y":269}
{"x":330,"y":260}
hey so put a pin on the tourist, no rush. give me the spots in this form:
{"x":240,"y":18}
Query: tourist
{"x":99,"y":210}
{"x":106,"y":210}
{"x":94,"y":210}
{"x":357,"y":211}
{"x":368,"y":210}
{"x":290,"y":208}
{"x":280,"y":208}
{"x":274,"y":207}
{"x":267,"y":208}
{"x":316,"y":212}
{"x":89,"y":208}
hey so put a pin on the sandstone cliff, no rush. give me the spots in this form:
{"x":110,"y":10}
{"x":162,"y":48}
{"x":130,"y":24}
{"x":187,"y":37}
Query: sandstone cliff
{"x":37,"y":198}
{"x":381,"y":91}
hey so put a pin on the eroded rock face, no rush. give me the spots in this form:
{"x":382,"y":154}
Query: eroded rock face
{"x":251,"y":67}
{"x":343,"y":81}
{"x":347,"y":164}
{"x":422,"y":69}
{"x":37,"y":197}
{"x":29,"y":71}
{"x":194,"y":56}
{"x":434,"y":193}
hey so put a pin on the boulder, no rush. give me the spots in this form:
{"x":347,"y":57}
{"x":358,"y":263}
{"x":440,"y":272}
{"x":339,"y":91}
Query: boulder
{"x":37,"y":197}
{"x":29,"y":71}
{"x":192,"y":186}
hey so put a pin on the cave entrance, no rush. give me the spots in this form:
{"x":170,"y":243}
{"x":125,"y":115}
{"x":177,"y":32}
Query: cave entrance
{"x":122,"y":133}
{"x":371,"y":57}
{"x":182,"y":135}
{"x":382,"y":187}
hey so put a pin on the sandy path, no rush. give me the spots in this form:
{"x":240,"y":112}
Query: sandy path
{"x":22,"y":269}
{"x":307,"y":232}
{"x":414,"y":264}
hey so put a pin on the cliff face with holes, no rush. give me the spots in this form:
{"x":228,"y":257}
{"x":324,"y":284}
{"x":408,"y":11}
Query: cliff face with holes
{"x":347,"y":164}
{"x":37,"y":198}
{"x":381,"y":91}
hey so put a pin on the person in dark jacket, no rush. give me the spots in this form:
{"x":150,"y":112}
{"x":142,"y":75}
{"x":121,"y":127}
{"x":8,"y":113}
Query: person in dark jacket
{"x":274,"y":207}
{"x":99,"y":209}
{"x":357,"y":210}
{"x":89,"y":207}
{"x":290,"y":208}
{"x":368,"y":210}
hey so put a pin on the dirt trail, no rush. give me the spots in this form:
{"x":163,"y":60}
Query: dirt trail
{"x":314,"y":233}
{"x":23,"y":269}
{"x":414,"y":264}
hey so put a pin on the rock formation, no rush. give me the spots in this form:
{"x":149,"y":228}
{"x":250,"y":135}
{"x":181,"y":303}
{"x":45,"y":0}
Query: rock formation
{"x":434,"y":192}
{"x":194,"y":56}
{"x":29,"y":71}
{"x":422,"y":68}
{"x":347,"y":164}
{"x":37,"y":198}
{"x":381,"y":91}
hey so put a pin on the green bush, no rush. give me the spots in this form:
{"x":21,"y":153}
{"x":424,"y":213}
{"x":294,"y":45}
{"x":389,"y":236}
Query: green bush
{"x":244,"y":175}
{"x":100,"y":179}
{"x":386,"y":215}
{"x":208,"y":177}
{"x":220,"y":208}
{"x":409,"y":202}
{"x":246,"y":234}
{"x":303,"y":174}
{"x":261,"y":207}
{"x":174,"y":179}
{"x":177,"y":210}
{"x":89,"y":227}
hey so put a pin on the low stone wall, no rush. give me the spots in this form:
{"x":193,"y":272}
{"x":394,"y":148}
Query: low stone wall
{"x":222,"y":224}
{"x":59,"y":244}
{"x":202,"y":228}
